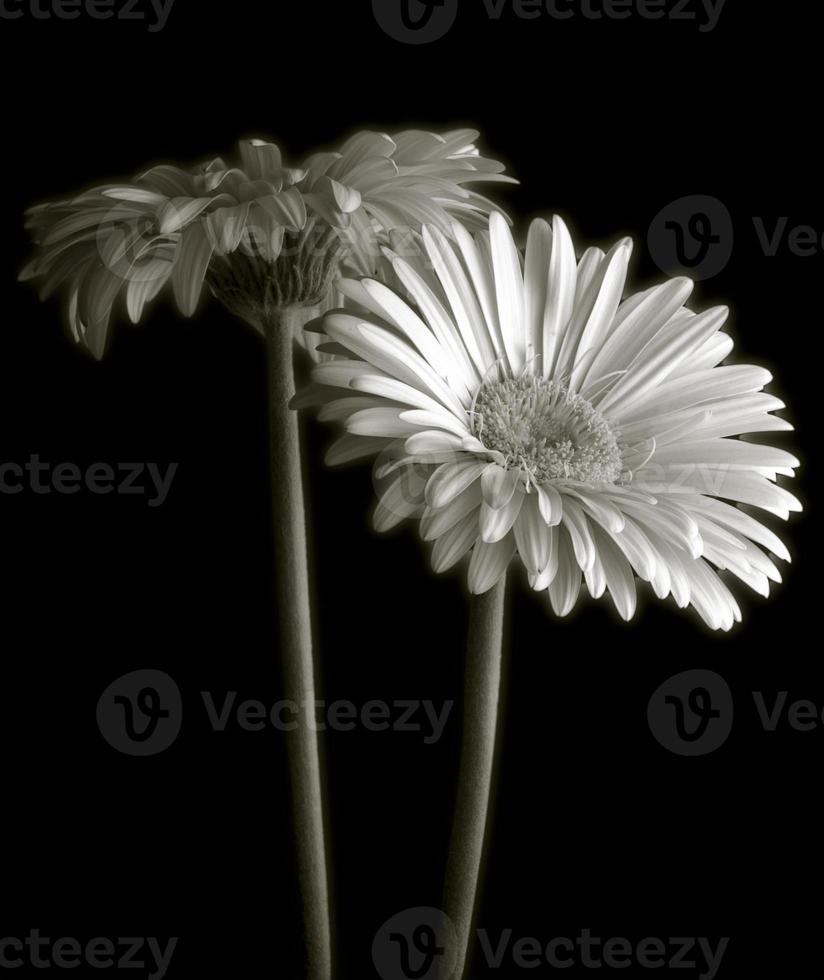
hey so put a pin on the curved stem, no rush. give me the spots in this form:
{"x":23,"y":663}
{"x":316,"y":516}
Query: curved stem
{"x":292,"y":596}
{"x":480,"y":722}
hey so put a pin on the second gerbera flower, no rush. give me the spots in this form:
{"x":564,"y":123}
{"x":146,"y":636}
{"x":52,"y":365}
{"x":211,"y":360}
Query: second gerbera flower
{"x":594,"y":437}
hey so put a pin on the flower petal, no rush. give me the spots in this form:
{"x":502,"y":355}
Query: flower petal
{"x":496,"y":523}
{"x":489,"y":564}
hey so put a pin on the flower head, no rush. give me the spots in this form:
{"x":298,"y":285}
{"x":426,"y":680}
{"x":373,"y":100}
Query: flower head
{"x":520,"y":406}
{"x":261,"y":234}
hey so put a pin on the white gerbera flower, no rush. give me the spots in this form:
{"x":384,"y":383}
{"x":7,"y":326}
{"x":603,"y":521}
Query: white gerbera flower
{"x":262,"y":235}
{"x":523,"y":407}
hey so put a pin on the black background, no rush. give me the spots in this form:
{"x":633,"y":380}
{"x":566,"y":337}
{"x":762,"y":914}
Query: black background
{"x":595,"y":824}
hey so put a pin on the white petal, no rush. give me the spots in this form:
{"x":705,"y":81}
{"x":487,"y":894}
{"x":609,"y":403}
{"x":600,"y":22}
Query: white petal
{"x":455,"y":543}
{"x":432,"y":441}
{"x":580,"y":533}
{"x":391,"y":355}
{"x":595,"y":578}
{"x":637,"y":321}
{"x":598,"y":324}
{"x":434,"y":523}
{"x":550,"y":504}
{"x":340,"y":373}
{"x":384,"y":423}
{"x":496,"y":523}
{"x":397,"y":312}
{"x":709,"y":355}
{"x":509,"y":289}
{"x":637,"y":548}
{"x":710,"y":597}
{"x":440,"y":418}
{"x":729,"y":452}
{"x":618,"y":574}
{"x":699,"y":388}
{"x":178,"y":212}
{"x":462,"y":300}
{"x":349,"y":448}
{"x":498,"y":485}
{"x":450,"y":479}
{"x":191,"y":264}
{"x":563,"y":279}
{"x":566,"y":585}
{"x":547,"y":574}
{"x":659,"y":360}
{"x":738,"y":485}
{"x":460,"y":371}
{"x":670,"y":521}
{"x":588,"y":267}
{"x":602,"y":509}
{"x":536,"y":281}
{"x":339,"y":409}
{"x":489,"y":332}
{"x":737,"y":520}
{"x":532,"y":536}
{"x":489,"y":563}
{"x":393,"y":390}
{"x":402,"y":498}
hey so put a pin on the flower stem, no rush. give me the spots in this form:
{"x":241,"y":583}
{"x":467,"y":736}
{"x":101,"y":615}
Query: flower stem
{"x":292,"y":596}
{"x":483,"y":684}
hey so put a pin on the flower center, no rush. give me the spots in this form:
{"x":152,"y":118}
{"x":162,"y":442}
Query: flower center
{"x":546,"y":431}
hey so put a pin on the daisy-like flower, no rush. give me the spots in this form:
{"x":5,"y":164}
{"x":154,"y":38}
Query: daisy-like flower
{"x":522,"y":407}
{"x":264,"y":236}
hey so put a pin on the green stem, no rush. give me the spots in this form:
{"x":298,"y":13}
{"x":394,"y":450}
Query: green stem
{"x":293,"y":610}
{"x":483,"y":684}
